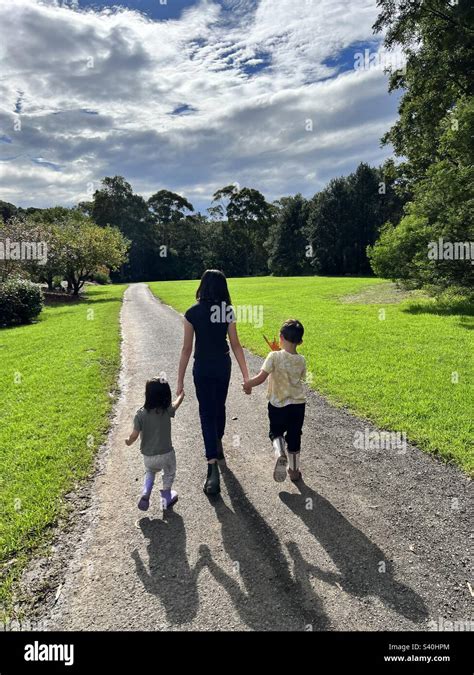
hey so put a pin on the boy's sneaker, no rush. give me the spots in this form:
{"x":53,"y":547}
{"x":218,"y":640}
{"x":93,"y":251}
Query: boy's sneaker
{"x":294,"y":466}
{"x":168,"y":498}
{"x":281,"y":460}
{"x":295,"y":476}
{"x":144,"y":503}
{"x":279,"y":472}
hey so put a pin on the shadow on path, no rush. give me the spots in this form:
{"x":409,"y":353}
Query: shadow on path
{"x":259,"y":581}
{"x":169,"y":575}
{"x":363,"y":567}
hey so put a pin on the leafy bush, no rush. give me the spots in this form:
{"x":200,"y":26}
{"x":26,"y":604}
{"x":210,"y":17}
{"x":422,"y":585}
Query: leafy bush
{"x":21,"y":301}
{"x":101,"y":278}
{"x":57,"y":282}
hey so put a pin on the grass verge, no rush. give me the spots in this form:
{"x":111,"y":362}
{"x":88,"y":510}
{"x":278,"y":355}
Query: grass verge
{"x":57,"y":381}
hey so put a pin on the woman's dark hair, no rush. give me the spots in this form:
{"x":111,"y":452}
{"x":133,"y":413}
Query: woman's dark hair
{"x":157,"y":394}
{"x":213,"y":288}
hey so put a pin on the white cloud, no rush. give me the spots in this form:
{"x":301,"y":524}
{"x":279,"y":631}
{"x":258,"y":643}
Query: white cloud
{"x":96,"y":90}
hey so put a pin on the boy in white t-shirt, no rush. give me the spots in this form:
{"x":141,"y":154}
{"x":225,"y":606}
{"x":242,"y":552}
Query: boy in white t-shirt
{"x":286,"y":399}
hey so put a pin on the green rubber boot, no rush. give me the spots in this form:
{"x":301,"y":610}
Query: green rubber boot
{"x":212,"y":486}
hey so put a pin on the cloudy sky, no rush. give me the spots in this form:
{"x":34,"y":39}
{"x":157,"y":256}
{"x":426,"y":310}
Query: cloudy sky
{"x":189,"y":95}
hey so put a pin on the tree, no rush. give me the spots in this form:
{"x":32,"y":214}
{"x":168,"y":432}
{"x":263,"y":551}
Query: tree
{"x":53,"y":214}
{"x":436,"y":37}
{"x":346,"y":217}
{"x":432,"y":246}
{"x":69,"y":244}
{"x":89,"y":247}
{"x":20,"y":242}
{"x":287,"y":243}
{"x":52,"y":224}
{"x":393,"y":198}
{"x":433,"y":135}
{"x":372,"y":202}
{"x":116,"y":204}
{"x":7,"y":210}
{"x":174,"y":233}
{"x":54,"y":236}
{"x":249,"y":218}
{"x":168,"y":207}
{"x":329,"y":213}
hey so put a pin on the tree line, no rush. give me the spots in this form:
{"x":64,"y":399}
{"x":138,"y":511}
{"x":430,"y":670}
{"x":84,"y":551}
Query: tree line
{"x":241,"y":233}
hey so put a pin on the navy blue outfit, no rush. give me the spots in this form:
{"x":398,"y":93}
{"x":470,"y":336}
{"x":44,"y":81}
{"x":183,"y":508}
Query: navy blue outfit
{"x":211,"y":371}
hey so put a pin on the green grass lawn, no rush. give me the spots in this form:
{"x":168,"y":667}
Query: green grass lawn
{"x":55,"y":381}
{"x":395,"y":371}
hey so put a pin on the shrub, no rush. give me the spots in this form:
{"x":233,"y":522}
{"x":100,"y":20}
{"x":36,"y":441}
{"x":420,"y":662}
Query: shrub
{"x":101,"y":278}
{"x":21,"y":301}
{"x":57,"y":282}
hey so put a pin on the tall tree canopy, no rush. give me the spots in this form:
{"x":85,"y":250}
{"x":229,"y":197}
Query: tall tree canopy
{"x":433,"y":137}
{"x":436,"y":37}
{"x":287,"y":245}
{"x":249,"y":217}
{"x":169,"y":207}
{"x":346,"y":217}
{"x":117,"y":205}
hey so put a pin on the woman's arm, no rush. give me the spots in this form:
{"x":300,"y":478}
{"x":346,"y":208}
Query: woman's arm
{"x":186,"y":352}
{"x":238,"y":351}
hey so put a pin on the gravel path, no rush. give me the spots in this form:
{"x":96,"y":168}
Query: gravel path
{"x":371,"y":540}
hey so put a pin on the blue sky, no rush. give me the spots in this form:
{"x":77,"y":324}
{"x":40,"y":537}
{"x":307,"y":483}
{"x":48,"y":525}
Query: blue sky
{"x":155,"y":9}
{"x":190,"y":95}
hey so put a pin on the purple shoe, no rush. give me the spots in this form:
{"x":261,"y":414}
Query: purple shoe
{"x":168,"y":498}
{"x":144,"y":503}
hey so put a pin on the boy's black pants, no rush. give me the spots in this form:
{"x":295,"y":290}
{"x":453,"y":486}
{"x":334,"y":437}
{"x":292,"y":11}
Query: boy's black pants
{"x":287,"y":422}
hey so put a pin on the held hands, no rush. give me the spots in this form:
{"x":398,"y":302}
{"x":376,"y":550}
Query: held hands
{"x":247,"y":387}
{"x":179,"y":399}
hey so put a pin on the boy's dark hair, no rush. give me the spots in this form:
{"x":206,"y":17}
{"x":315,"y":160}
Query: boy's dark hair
{"x":157,"y":394}
{"x":213,"y":288}
{"x":293,"y":331}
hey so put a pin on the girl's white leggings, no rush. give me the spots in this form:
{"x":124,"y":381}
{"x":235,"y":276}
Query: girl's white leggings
{"x":165,"y":463}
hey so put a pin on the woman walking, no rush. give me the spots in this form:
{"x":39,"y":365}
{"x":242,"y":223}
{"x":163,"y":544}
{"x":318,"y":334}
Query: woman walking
{"x":211,"y":320}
